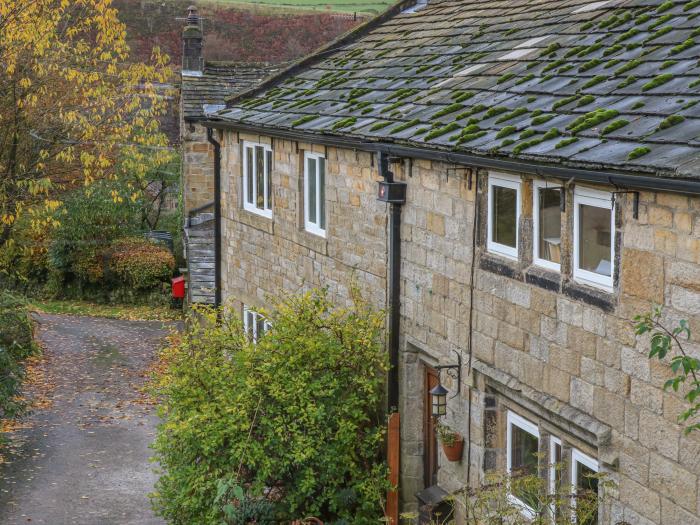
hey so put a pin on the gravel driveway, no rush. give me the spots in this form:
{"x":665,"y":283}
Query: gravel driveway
{"x":83,"y":457}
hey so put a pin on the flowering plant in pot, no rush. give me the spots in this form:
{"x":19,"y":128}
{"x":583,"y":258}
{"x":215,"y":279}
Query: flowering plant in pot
{"x":452,"y":442}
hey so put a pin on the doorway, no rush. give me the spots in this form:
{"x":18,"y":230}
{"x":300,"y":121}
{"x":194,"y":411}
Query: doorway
{"x":430,"y":451}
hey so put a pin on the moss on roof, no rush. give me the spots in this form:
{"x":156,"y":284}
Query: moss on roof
{"x":491,"y":77}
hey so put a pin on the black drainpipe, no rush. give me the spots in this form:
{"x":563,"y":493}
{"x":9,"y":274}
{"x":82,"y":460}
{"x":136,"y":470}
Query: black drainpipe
{"x":217,"y":216}
{"x":393,"y":193}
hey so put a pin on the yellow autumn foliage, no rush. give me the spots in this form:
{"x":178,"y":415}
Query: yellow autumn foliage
{"x":72,"y":103}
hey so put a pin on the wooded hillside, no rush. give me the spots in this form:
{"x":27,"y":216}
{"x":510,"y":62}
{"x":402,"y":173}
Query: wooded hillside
{"x":231,"y":32}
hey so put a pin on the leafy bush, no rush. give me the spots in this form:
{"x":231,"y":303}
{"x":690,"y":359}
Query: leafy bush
{"x":670,"y":341}
{"x":492,"y":502}
{"x":91,"y":219}
{"x":139,"y":263}
{"x":240,"y":508}
{"x":16,"y":344}
{"x":295,"y":418}
{"x":24,"y":260}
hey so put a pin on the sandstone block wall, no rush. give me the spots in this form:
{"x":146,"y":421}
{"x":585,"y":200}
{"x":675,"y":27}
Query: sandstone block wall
{"x":264,"y":258}
{"x":574,"y":347}
{"x":567,"y":354}
{"x":197,"y":167}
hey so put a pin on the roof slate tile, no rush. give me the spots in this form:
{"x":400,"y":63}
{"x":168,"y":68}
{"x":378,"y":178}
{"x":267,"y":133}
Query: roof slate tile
{"x":613,"y":63}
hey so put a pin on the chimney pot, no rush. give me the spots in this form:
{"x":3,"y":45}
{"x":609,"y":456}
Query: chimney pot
{"x":192,"y":42}
{"x":192,"y":16}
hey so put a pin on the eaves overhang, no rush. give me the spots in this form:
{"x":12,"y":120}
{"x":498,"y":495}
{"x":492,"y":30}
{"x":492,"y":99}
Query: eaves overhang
{"x":622,"y":180}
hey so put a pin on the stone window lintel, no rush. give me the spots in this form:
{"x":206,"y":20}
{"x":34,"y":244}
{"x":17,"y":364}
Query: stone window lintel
{"x":562,"y":415}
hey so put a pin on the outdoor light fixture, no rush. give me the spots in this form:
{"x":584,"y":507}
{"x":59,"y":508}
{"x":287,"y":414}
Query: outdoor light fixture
{"x":439,"y":393}
{"x":439,"y":397}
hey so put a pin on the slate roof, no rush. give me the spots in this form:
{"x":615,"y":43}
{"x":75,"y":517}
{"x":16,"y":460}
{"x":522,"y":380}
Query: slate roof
{"x":595,"y":84}
{"x":218,"y":81}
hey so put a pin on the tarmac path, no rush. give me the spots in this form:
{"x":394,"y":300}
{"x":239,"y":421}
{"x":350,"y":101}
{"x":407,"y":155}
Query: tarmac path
{"x":82,"y":456}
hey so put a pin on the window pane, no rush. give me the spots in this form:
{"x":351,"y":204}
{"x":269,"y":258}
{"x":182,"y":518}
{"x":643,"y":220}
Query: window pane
{"x":549,"y":236}
{"x":322,"y":193}
{"x":594,"y":240}
{"x":504,"y":216}
{"x":586,"y":495}
{"x":523,"y":451}
{"x":249,"y":175}
{"x":556,"y":467}
{"x":259,"y":176}
{"x":260,"y":327}
{"x":250,"y":324}
{"x":268,"y":178}
{"x":311,"y":190}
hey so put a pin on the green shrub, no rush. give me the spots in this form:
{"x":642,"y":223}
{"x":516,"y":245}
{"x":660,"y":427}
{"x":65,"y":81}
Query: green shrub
{"x":16,"y":344}
{"x":139,"y":263}
{"x":240,"y":508}
{"x":299,"y":413}
{"x":24,"y":260}
{"x":91,"y":219}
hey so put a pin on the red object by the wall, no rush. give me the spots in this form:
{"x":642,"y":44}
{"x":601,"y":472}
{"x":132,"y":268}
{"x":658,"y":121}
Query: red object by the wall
{"x":178,"y":284}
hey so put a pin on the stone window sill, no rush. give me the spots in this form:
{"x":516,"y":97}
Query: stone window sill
{"x":589,"y":295}
{"x":256,"y":221}
{"x":500,"y":266}
{"x":311,"y":241}
{"x":547,"y":279}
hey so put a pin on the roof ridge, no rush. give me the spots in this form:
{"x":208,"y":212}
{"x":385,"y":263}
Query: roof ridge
{"x":320,"y":53}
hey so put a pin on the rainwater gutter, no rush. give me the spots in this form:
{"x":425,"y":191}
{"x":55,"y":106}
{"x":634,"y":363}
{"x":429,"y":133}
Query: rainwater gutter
{"x":614,"y":178}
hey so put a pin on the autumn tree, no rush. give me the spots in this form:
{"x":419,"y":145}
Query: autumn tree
{"x":71,"y":104}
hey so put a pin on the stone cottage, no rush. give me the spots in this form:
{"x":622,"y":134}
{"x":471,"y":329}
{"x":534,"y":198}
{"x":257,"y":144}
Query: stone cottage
{"x":514,"y":181}
{"x":204,"y":85}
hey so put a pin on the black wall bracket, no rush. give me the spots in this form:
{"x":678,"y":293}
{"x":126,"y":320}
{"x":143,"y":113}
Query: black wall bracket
{"x":454,"y":371}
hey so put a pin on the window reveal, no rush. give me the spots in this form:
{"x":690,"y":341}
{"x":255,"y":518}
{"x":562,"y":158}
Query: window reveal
{"x":547,"y":226}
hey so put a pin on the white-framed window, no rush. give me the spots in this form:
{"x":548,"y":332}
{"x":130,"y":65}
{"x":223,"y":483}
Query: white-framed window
{"x":503,"y":214}
{"x":555,"y":459}
{"x":594,"y":238}
{"x":583,"y":481}
{"x":254,"y":324}
{"x":522,"y":446}
{"x":257,"y":186}
{"x":546,"y":218}
{"x":555,"y":472}
{"x":315,"y":193}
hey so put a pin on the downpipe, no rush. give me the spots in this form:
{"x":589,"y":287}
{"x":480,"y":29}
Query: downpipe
{"x":393,"y":193}
{"x":217,"y":216}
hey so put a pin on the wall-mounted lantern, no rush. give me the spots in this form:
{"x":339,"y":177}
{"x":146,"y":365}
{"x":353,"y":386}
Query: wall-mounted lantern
{"x":439,"y":396}
{"x":438,"y":393}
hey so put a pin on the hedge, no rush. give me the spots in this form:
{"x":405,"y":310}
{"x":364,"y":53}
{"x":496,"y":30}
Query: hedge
{"x":16,"y":344}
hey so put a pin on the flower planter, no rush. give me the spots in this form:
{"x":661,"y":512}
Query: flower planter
{"x":454,"y":451}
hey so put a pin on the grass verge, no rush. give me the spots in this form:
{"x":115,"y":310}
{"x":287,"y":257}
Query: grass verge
{"x":125,"y":312}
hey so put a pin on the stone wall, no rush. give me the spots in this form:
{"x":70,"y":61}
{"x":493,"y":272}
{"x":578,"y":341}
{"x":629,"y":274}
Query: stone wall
{"x":197,"y":167}
{"x":266,"y":257}
{"x":551,"y":348}
{"x":570,"y":350}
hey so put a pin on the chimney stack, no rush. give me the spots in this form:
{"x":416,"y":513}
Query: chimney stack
{"x":192,"y":39}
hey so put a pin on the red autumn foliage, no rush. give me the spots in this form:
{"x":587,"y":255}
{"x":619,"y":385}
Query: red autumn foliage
{"x":231,"y":33}
{"x":140,"y":264}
